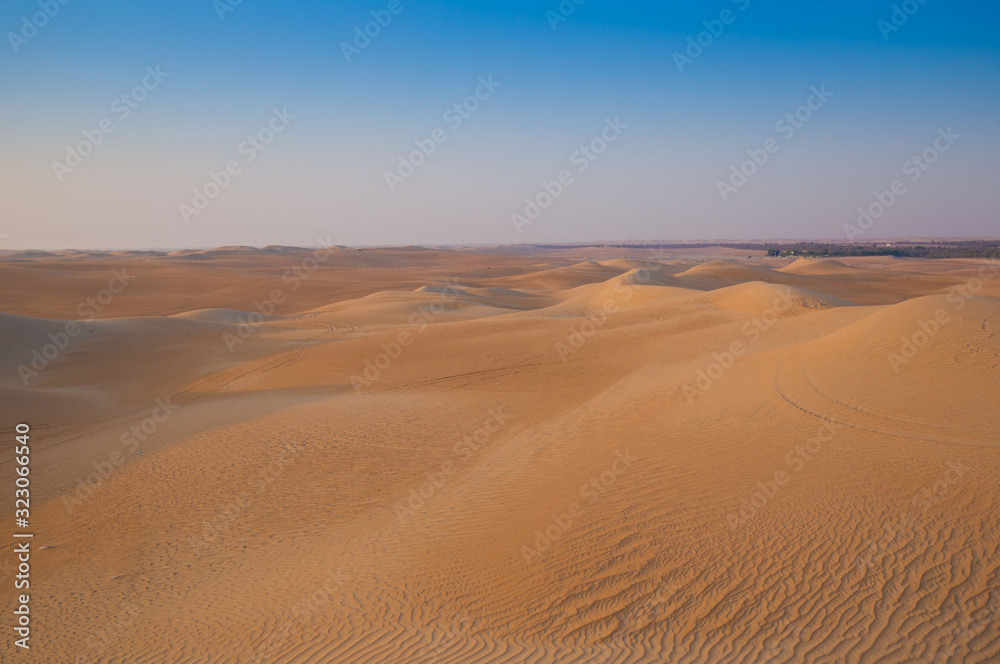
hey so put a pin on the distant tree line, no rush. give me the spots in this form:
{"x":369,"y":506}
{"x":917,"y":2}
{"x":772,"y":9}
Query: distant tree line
{"x":953,"y":249}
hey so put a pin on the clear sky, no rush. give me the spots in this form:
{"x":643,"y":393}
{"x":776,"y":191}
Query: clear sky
{"x":318,"y":123}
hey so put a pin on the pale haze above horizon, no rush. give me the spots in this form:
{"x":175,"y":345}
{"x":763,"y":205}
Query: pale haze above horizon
{"x":391,"y":122}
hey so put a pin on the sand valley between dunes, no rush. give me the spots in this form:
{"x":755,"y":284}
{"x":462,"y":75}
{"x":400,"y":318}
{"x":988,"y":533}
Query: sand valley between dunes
{"x":500,"y":455}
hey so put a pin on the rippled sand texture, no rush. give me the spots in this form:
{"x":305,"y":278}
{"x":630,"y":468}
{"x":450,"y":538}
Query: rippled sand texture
{"x":506,"y":456}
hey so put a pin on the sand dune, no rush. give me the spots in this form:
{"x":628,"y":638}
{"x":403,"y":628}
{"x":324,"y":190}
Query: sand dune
{"x":652,"y":275}
{"x":756,"y":297}
{"x":565,"y":278}
{"x":638,"y":264}
{"x":556,"y":459}
{"x":907,"y":342}
{"x":18,"y":334}
{"x":725,"y":269}
{"x":230,"y":316}
{"x":813,"y":266}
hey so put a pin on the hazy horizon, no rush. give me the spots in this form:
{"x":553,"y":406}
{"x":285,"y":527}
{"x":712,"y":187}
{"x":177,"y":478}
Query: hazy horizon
{"x":581,"y":243}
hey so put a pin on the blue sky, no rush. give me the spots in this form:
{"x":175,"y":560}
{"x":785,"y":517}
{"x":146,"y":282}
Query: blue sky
{"x":325,"y":173}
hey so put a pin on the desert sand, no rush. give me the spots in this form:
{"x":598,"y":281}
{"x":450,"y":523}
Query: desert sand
{"x":300,"y":456}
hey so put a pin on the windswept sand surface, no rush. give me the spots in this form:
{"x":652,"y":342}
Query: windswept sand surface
{"x":490,"y":456}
